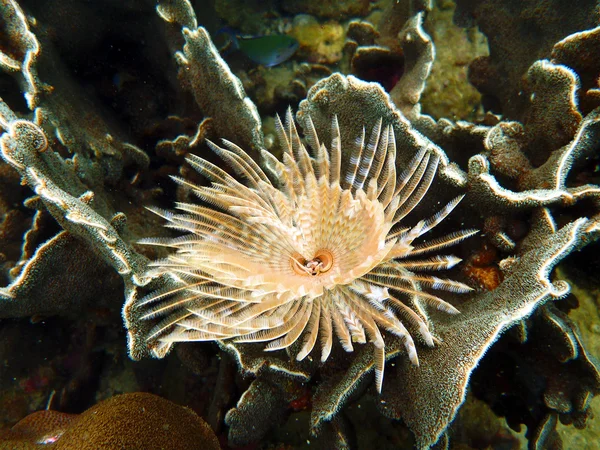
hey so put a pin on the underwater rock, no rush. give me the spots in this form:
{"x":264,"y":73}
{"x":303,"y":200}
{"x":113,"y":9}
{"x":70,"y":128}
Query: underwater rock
{"x":248,"y":16}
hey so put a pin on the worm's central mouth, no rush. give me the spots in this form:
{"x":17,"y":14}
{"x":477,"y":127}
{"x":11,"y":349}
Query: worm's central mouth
{"x":322,"y":262}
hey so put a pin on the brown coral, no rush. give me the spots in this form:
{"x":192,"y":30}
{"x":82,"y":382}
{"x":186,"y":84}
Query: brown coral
{"x":133,"y":421}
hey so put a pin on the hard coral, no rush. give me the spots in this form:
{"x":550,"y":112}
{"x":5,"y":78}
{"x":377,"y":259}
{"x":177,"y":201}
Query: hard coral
{"x":415,"y":393}
{"x":137,"y":421}
{"x":338,"y":9}
{"x":519,"y":33}
{"x":319,"y":42}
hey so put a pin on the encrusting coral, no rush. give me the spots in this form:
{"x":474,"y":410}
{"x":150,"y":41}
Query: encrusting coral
{"x":263,"y":261}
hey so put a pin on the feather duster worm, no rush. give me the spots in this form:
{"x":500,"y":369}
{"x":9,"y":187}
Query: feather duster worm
{"x":305,"y":249}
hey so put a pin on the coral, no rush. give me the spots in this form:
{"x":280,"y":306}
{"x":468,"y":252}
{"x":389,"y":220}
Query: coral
{"x":63,"y":261}
{"x":25,"y":146}
{"x":58,"y":185}
{"x":133,"y":421}
{"x":75,"y":190}
{"x":370,"y":61}
{"x":558,"y":381}
{"x":327,"y":9}
{"x":245,"y":425}
{"x":560,"y":244}
{"x":419,"y":54}
{"x":448,"y":92}
{"x":374,"y":63}
{"x":362,"y":32}
{"x":270,"y":87}
{"x":579,"y":51}
{"x":36,"y":430}
{"x":332,"y":97}
{"x":584,"y":289}
{"x":414,"y":389}
{"x":201,"y":69}
{"x":519,"y":33}
{"x":319,"y":42}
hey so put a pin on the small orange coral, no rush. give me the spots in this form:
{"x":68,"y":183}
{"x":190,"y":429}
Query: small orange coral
{"x":482,"y":268}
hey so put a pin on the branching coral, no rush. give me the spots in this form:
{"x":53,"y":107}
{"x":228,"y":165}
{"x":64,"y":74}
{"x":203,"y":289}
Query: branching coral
{"x":26,"y":146}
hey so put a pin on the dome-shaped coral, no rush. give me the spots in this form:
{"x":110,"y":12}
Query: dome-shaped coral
{"x":129,"y":421}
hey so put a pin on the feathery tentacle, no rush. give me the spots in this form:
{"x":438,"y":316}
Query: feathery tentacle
{"x":295,"y":251}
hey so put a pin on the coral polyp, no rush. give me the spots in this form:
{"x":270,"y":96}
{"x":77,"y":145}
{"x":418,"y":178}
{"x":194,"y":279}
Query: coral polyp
{"x":315,"y":251}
